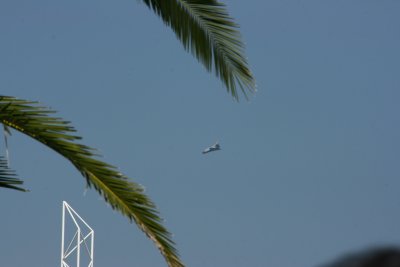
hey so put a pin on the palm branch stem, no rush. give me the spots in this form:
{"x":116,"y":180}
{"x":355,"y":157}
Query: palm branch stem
{"x":206,"y":30}
{"x":126,"y":196}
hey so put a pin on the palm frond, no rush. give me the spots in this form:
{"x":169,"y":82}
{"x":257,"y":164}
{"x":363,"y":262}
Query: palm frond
{"x":8,"y":177}
{"x":123,"y":195}
{"x":206,"y":30}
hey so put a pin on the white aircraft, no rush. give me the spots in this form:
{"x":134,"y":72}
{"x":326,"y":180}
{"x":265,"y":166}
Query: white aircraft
{"x":212,"y":148}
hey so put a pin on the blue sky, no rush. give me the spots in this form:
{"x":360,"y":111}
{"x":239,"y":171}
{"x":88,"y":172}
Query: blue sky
{"x":309,"y":167}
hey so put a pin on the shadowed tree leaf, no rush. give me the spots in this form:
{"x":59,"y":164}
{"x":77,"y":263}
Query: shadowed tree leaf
{"x":123,"y":195}
{"x":206,"y":30}
{"x":8,"y":177}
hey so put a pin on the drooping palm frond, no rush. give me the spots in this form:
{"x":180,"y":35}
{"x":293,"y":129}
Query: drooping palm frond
{"x":206,"y":30}
{"x":8,"y":177}
{"x":123,"y":195}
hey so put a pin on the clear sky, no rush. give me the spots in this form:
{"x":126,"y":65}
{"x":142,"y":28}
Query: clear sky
{"x":309,"y":167}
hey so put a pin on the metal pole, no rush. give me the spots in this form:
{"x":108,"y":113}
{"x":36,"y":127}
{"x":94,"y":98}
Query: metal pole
{"x":62,"y":234}
{"x":80,"y":238}
{"x":78,"y":252}
{"x":92,"y":249}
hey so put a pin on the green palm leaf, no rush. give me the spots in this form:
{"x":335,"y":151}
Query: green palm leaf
{"x":205,"y":29}
{"x":8,"y":177}
{"x":125,"y":196}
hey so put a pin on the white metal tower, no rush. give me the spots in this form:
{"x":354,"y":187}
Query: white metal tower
{"x":76,"y":234}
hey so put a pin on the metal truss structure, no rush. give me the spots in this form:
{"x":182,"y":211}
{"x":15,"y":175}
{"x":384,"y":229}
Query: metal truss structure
{"x":80,"y":238}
